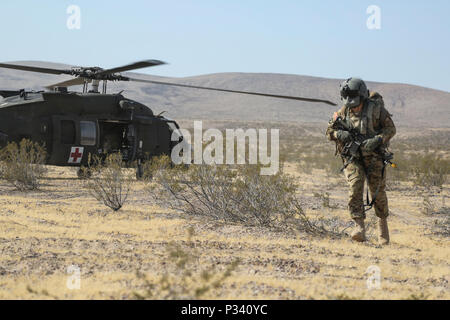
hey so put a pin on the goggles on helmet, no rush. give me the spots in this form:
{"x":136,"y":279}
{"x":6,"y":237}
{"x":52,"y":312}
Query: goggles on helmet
{"x":346,"y":92}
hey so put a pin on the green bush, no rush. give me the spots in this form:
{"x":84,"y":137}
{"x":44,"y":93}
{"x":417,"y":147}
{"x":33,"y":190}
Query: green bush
{"x":22,"y":164}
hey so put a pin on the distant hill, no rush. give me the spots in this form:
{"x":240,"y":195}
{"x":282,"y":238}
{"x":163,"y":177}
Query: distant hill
{"x":411,"y":105}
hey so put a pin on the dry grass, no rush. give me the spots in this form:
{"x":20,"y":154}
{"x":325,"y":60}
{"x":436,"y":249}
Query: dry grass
{"x":44,"y":232}
{"x":22,"y":164}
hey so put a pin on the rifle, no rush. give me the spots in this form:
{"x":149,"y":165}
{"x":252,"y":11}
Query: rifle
{"x":352,"y":149}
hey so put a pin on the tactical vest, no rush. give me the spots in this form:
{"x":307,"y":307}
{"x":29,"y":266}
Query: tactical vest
{"x":371,"y":110}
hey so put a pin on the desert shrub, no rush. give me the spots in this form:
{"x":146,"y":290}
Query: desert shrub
{"x":22,"y":164}
{"x":156,"y":164}
{"x":320,"y":160}
{"x":440,"y":213}
{"x":42,"y":293}
{"x":430,"y":170}
{"x":238,"y":194}
{"x":324,"y":197}
{"x":418,"y":296}
{"x":427,"y":170}
{"x":428,"y":207}
{"x":331,"y":226}
{"x":343,"y":296}
{"x":441,"y":226}
{"x":185,"y":278}
{"x":109,"y":182}
{"x":434,"y":206}
{"x":400,"y":173}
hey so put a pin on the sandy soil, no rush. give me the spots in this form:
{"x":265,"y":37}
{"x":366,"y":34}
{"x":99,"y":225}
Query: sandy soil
{"x":44,"y":232}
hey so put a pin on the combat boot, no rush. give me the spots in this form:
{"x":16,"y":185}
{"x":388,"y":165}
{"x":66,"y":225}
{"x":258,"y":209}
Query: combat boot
{"x":383,"y":231}
{"x":359,"y":234}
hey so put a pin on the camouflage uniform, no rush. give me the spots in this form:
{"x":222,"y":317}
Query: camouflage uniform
{"x":371,"y":121}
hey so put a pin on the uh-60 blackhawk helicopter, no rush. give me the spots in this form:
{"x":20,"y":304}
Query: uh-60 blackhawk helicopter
{"x":72,"y":125}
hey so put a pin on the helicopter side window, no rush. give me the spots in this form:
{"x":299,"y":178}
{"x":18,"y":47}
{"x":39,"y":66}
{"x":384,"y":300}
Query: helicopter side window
{"x":88,"y":133}
{"x":67,"y":132}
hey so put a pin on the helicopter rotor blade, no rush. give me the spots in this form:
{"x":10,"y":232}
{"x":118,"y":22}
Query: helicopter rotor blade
{"x":233,"y":91}
{"x":110,"y":74}
{"x":9,"y":93}
{"x":131,"y":66}
{"x":34,"y":69}
{"x":69,"y":83}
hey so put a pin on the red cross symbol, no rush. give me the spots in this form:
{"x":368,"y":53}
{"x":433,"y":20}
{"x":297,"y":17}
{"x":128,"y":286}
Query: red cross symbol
{"x":76,"y":154}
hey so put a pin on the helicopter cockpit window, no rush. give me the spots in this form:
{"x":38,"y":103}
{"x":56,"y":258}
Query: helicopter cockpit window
{"x":88,"y":133}
{"x":67,"y":132}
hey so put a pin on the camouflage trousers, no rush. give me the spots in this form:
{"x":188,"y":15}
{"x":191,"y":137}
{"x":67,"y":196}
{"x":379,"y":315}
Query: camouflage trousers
{"x":355,"y":175}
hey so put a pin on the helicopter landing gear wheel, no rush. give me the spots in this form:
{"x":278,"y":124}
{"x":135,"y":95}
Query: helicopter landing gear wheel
{"x":84,"y":173}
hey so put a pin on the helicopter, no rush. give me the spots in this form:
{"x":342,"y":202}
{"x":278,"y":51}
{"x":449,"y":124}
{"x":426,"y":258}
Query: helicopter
{"x":71,"y":125}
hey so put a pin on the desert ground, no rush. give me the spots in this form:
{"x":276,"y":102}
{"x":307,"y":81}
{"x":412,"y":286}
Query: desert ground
{"x":44,"y":232}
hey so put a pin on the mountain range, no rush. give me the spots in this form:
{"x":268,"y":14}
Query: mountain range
{"x":411,"y":105}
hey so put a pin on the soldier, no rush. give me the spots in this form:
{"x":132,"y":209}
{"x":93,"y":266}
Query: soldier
{"x":364,"y":113}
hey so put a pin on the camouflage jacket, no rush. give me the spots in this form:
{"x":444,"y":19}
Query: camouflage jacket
{"x":373,"y":120}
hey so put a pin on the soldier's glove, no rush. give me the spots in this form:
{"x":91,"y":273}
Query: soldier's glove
{"x":343,"y":136}
{"x":370,"y":145}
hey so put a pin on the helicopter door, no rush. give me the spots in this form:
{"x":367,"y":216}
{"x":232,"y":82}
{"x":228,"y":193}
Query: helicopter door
{"x":129,"y":152}
{"x":73,"y":139}
{"x":45,"y":134}
{"x":118,"y":136}
{"x":147,"y":139}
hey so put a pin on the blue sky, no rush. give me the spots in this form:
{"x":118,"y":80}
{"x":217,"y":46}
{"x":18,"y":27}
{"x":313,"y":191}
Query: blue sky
{"x":317,"y":38}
